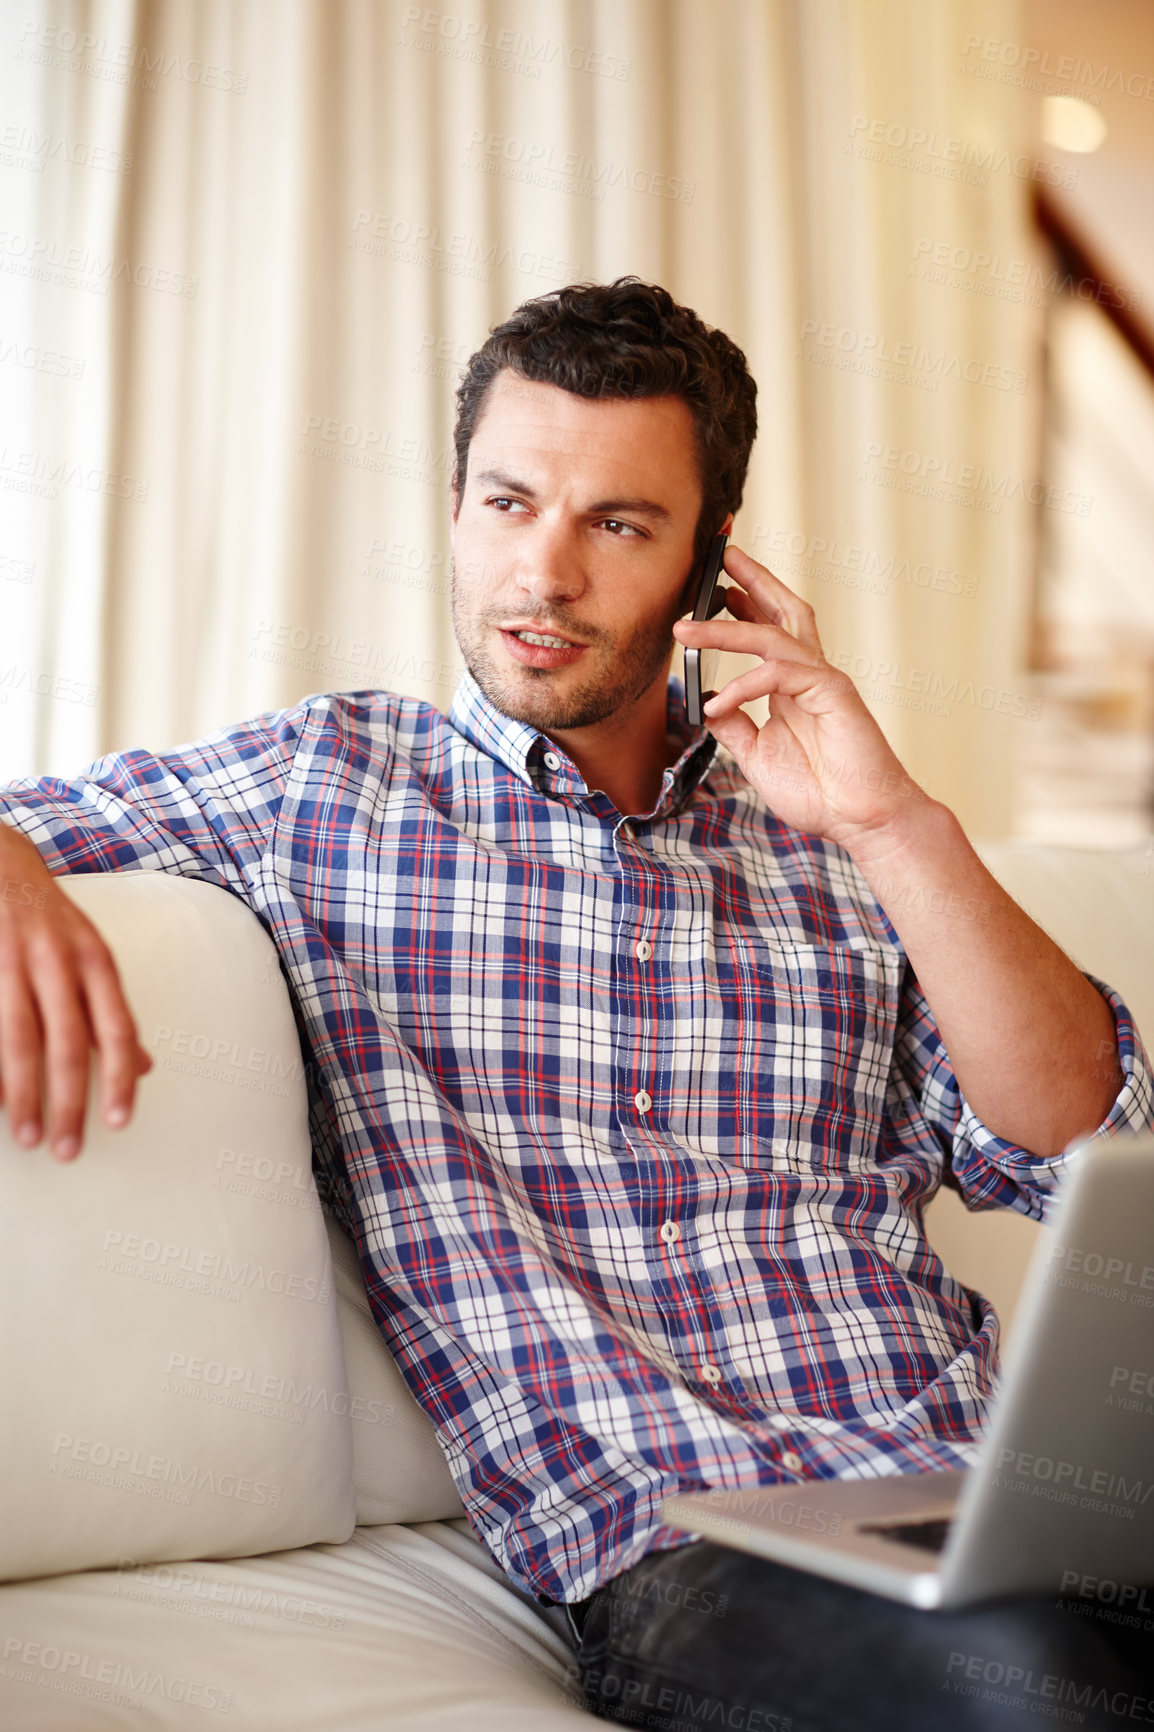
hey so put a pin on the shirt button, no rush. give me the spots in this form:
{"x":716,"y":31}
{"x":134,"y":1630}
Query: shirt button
{"x":670,"y":1232}
{"x":711,"y":1374}
{"x":791,"y":1460}
{"x":552,"y":761}
{"x":642,"y":1101}
{"x":644,"y":950}
{"x":625,"y":832}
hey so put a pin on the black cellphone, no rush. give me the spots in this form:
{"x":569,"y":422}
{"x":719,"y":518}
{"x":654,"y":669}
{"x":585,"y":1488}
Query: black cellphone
{"x":701,"y":664}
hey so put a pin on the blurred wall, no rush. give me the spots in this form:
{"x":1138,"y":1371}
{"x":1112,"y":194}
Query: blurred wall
{"x":245,"y":246}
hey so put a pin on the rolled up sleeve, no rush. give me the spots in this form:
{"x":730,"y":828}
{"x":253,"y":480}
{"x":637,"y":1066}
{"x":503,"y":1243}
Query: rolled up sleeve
{"x":988,"y":1170}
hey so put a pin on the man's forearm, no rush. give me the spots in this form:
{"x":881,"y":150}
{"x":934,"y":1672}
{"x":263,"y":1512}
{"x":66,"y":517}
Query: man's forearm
{"x":1031,"y":1042}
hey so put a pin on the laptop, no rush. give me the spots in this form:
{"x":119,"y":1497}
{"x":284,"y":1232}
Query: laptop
{"x":1064,"y":1485}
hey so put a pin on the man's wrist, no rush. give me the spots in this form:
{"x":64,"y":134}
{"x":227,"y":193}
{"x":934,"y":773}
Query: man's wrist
{"x":912,"y":835}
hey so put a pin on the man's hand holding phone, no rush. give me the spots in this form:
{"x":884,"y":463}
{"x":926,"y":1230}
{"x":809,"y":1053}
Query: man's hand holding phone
{"x":820,"y":761}
{"x":60,"y":996}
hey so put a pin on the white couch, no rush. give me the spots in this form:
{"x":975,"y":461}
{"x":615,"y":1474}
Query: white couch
{"x":190,"y":1372}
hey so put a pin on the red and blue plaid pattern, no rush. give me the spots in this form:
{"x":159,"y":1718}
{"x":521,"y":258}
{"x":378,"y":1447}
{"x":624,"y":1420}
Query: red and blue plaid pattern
{"x":633,"y":1119}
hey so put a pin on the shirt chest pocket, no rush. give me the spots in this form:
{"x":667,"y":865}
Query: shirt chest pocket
{"x":812,"y":1034}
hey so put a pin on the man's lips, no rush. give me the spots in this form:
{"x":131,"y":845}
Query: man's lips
{"x":538,"y":655}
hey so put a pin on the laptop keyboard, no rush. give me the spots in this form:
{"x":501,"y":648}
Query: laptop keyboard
{"x":929,"y":1536}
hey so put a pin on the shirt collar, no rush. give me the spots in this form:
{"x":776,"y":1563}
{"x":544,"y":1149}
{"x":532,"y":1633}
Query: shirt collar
{"x":547,"y":769}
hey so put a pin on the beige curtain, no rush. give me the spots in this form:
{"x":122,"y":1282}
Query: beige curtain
{"x":263,"y":234}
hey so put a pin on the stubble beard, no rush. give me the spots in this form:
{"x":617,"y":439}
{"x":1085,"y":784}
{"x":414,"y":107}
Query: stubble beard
{"x":621,"y":673}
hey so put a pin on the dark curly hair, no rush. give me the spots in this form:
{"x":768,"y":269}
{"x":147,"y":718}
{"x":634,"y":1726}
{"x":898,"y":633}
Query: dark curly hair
{"x":626,"y":339}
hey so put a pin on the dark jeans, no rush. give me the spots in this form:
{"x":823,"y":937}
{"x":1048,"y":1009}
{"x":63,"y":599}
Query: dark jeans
{"x":705,"y":1636}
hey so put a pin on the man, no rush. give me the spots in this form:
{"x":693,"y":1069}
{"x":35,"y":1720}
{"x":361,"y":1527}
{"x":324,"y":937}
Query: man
{"x":628,"y":1088}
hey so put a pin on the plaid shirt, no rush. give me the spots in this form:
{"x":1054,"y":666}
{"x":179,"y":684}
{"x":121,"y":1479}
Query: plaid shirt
{"x":633,"y":1119}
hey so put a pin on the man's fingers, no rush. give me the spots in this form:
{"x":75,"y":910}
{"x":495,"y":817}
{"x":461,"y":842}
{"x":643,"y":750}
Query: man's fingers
{"x":122,"y":1059}
{"x":781,"y":675}
{"x":60,"y":996}
{"x":740,"y":603}
{"x":753,"y":638}
{"x":737,"y":733}
{"x":67,"y":1045}
{"x":20,"y":1051}
{"x":778,"y":603}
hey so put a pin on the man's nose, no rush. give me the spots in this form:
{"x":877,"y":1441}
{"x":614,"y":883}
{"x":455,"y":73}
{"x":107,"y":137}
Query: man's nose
{"x":553,"y":569}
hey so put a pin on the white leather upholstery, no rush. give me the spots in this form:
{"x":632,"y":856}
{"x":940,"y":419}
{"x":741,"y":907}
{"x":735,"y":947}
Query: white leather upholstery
{"x":399,"y":1469}
{"x":214,"y":1174}
{"x":410,"y":1629}
{"x":170,"y":1352}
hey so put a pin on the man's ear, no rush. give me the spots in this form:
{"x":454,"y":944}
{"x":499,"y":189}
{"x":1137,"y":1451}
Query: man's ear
{"x":454,"y":510}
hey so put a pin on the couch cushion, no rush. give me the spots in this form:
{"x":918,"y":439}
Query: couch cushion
{"x":399,"y":1470}
{"x":400,"y":1627}
{"x":171,"y":1353}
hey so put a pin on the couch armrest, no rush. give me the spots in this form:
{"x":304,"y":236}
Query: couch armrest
{"x":171,"y":1356}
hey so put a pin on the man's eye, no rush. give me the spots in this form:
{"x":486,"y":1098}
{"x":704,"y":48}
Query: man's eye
{"x":619,"y":528}
{"x":501,"y":503}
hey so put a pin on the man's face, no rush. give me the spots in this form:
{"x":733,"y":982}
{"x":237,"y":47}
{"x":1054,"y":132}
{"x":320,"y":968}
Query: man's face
{"x":576,"y":522}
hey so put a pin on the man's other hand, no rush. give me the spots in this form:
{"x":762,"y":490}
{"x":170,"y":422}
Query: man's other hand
{"x":60,"y":995}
